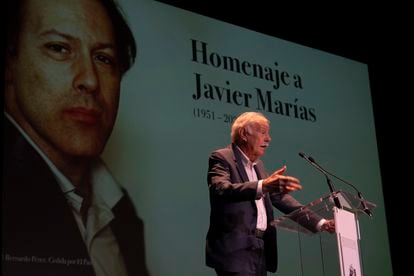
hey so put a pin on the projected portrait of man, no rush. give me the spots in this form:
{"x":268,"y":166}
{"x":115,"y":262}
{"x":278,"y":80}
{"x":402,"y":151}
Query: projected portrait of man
{"x":63,"y":212}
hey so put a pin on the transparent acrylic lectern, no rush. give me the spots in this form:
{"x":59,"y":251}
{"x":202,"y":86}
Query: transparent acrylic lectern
{"x":322,"y":253}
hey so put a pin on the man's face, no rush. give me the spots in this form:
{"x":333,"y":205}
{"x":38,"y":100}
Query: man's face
{"x":258,"y":139}
{"x":63,"y":84}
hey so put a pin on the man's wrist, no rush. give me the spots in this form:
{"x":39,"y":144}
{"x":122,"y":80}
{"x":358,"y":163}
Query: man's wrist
{"x":320,"y":223}
{"x":259,"y":191}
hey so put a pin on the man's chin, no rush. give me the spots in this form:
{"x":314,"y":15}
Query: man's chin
{"x":86,"y":150}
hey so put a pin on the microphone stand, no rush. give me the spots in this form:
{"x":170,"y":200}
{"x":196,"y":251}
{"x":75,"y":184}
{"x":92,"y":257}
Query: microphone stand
{"x":331,"y":187}
{"x":333,"y":192}
{"x":328,"y":180}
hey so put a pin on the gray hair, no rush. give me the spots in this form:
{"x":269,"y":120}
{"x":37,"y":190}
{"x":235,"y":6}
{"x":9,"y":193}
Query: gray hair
{"x":245,"y":120}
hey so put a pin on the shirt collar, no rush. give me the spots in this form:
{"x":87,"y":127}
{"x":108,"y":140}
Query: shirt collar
{"x":103,"y":183}
{"x":246,"y":161}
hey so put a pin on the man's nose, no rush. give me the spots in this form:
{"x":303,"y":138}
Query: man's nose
{"x":86,"y":78}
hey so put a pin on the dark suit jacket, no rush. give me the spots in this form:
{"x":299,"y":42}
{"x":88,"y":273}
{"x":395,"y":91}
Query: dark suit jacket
{"x":39,"y":231}
{"x":231,"y":241}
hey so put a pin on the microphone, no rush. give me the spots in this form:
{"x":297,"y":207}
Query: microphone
{"x":312,"y":161}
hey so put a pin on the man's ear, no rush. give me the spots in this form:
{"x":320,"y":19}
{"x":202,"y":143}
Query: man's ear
{"x":243,"y":134}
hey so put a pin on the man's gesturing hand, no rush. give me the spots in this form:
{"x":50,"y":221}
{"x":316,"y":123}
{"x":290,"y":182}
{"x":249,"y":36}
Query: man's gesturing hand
{"x":279,"y":183}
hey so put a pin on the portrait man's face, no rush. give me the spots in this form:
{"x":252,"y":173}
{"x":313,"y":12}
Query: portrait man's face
{"x":64,"y":80}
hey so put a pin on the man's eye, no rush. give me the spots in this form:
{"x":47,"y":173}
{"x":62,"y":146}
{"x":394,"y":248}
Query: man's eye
{"x":105,"y":59}
{"x":58,"y":51}
{"x":58,"y":48}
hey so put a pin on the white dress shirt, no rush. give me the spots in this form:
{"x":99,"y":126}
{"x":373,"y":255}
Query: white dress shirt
{"x":252,"y":175}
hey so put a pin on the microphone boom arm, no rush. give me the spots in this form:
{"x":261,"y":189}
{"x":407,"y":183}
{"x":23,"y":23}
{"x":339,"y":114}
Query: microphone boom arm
{"x":328,"y":180}
{"x":331,"y":186}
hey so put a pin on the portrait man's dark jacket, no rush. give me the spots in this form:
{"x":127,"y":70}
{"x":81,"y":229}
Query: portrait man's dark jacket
{"x":39,"y":231}
{"x":231,"y":240}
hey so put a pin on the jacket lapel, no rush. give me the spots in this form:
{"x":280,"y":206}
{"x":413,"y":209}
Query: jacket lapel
{"x":128,"y":229}
{"x":239,"y":163}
